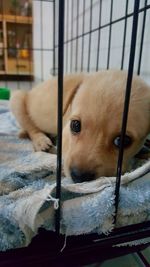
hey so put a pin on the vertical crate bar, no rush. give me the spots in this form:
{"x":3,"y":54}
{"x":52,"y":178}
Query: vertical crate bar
{"x":60,"y":109}
{"x":99,"y":35}
{"x":83,"y":27}
{"x":110,"y":30}
{"x":71,"y":44}
{"x":41,"y":33}
{"x":5,"y":48}
{"x":17,"y":47}
{"x":54,"y":30}
{"x":30,"y":51}
{"x":142,"y":39}
{"x":90,"y":36}
{"x":124,"y":35}
{"x":67,"y":30}
{"x":126,"y":103}
{"x":77,"y":32}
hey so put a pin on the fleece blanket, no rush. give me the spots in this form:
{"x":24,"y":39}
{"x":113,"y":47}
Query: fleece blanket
{"x":27,"y":193}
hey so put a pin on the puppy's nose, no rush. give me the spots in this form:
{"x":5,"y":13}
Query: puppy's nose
{"x":79,"y":176}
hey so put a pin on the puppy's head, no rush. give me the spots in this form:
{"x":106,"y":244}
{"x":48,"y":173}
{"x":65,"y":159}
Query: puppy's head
{"x":91,"y":136}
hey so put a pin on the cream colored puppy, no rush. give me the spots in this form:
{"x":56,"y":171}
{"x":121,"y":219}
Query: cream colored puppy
{"x":92,"y":117}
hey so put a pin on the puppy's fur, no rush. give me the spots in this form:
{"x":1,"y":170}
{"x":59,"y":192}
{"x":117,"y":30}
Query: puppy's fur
{"x":96,"y":100}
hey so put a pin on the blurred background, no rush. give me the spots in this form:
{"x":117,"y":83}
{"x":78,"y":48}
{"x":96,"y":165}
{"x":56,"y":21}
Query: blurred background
{"x":97,"y":36}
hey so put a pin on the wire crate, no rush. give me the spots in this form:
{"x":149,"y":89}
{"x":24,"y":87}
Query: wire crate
{"x":73,"y":51}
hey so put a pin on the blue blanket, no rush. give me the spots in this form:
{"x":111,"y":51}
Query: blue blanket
{"x":27,"y":193}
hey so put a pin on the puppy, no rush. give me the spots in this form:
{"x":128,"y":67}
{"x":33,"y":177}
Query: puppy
{"x":92,"y":117}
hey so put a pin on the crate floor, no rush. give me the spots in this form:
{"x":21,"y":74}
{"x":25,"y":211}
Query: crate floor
{"x":130,"y":260}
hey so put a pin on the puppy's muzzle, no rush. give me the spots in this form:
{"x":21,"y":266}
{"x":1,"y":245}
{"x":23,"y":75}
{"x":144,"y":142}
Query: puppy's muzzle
{"x":79,"y":176}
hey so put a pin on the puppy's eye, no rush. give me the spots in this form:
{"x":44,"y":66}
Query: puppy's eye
{"x":127,"y":141}
{"x":75,"y":126}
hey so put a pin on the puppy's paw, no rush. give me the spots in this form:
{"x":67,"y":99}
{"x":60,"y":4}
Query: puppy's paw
{"x":23,"y":134}
{"x":42,"y":143}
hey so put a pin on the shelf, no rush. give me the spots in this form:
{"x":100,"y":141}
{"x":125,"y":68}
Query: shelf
{"x":17,"y":37}
{"x":16,"y":19}
{"x":19,"y":66}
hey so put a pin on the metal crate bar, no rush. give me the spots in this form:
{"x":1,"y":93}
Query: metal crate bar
{"x":143,"y":259}
{"x":124,"y":35}
{"x":83,"y":27}
{"x":71,"y":48}
{"x":107,"y":24}
{"x":77,"y":30}
{"x":99,"y":35}
{"x":120,"y":235}
{"x":67,"y":30}
{"x":110,"y":31}
{"x":60,"y":109}
{"x":89,"y":46}
{"x":126,"y":103}
{"x":41,"y":35}
{"x":54,"y":37}
{"x":142,"y":39}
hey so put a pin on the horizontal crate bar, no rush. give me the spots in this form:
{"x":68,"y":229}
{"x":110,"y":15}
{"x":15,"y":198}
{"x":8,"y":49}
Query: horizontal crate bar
{"x":120,"y":235}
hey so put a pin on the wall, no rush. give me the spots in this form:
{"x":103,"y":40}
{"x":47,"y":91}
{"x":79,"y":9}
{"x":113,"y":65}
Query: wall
{"x":42,"y":39}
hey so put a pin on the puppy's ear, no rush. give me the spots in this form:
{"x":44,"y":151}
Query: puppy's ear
{"x":71,"y":85}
